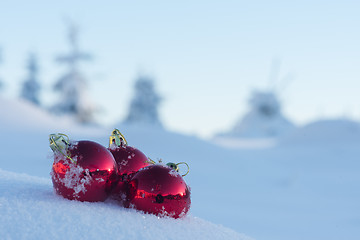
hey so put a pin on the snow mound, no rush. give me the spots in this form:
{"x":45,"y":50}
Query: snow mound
{"x":245,"y":143}
{"x":330,"y":131}
{"x":264,"y":120}
{"x":23,"y":114}
{"x":29,"y":209}
{"x":18,"y":115}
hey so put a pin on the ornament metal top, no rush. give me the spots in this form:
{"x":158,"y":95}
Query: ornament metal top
{"x":117,"y":138}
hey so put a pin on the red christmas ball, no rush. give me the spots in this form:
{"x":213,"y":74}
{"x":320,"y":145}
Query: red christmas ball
{"x":83,"y":170}
{"x":159,"y":190}
{"x":129,"y":161}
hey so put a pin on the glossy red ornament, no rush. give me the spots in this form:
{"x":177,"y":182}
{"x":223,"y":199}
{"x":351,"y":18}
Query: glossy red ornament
{"x":83,"y":170}
{"x":159,"y":190}
{"x":129,"y":161}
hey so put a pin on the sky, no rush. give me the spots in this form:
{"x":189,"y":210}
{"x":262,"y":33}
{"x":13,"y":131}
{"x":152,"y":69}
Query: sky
{"x":206,"y":57}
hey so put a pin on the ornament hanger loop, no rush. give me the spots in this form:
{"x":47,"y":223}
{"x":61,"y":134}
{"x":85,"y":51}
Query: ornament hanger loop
{"x":60,"y":142}
{"x":188,"y":168}
{"x":175,"y":166}
{"x":117,"y":138}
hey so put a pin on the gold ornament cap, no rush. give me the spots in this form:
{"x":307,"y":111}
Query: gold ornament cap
{"x":117,"y":138}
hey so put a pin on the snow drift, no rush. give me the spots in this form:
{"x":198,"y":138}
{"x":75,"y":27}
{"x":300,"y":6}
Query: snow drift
{"x":325,"y":132}
{"x":29,"y":209}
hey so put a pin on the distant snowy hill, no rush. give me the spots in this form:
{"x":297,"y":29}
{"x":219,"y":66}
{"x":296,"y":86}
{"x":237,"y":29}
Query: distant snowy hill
{"x":17,"y":115}
{"x":22,"y":114}
{"x":291,"y":190}
{"x":330,"y":131}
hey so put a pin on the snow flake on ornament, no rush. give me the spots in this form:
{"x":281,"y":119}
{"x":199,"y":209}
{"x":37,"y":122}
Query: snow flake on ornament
{"x":174,"y":173}
{"x":163,"y":213}
{"x":124,"y":162}
{"x":76,"y":178}
{"x":183,"y":213}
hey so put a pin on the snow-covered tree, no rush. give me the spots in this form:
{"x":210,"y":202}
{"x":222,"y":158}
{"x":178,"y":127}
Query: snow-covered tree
{"x":31,"y":87}
{"x":264,"y":119}
{"x":145,"y":104}
{"x":72,"y":86}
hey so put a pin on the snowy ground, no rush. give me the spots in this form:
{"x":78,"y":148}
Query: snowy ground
{"x":304,"y":187}
{"x":30,"y":210}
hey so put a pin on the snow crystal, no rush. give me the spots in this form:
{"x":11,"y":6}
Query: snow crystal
{"x":124,"y":162}
{"x":183,"y":213}
{"x":123,"y":196}
{"x":164,"y":214}
{"x":113,"y":147}
{"x":174,"y":173}
{"x":99,"y":179}
{"x":76,"y":178}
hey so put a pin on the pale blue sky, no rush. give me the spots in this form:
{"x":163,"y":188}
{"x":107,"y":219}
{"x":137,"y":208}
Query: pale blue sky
{"x":206,"y":56}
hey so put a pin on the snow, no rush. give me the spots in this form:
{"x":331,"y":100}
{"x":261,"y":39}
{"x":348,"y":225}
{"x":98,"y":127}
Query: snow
{"x":74,"y":178}
{"x":328,"y":131}
{"x":245,"y":143}
{"x":30,"y":210}
{"x":305,"y":186}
